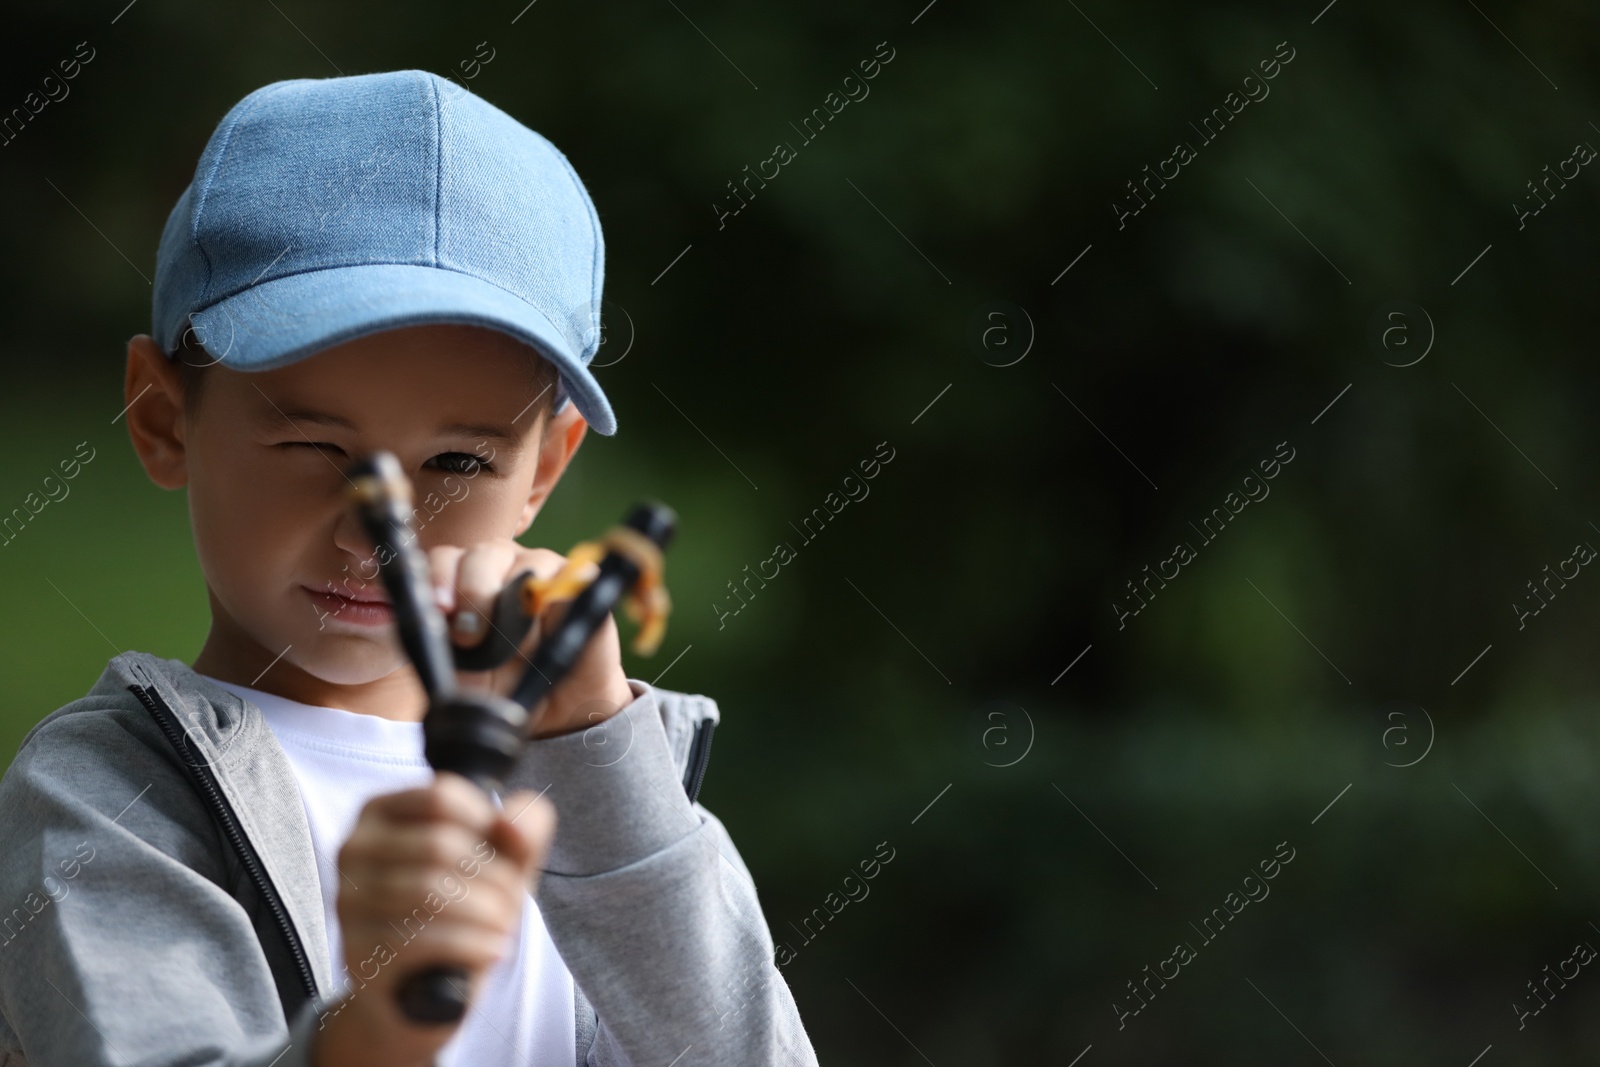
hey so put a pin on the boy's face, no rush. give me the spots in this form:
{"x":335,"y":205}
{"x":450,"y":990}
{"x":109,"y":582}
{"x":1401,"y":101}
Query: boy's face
{"x":263,"y":454}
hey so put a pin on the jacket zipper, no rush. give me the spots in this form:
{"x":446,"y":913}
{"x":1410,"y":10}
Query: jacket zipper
{"x":224,"y":815}
{"x":699,"y":756}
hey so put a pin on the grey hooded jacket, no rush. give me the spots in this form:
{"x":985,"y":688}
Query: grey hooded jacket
{"x":160,"y":904}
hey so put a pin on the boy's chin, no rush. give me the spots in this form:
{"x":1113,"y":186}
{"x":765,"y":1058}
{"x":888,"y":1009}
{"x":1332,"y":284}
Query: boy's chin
{"x":351,"y":660}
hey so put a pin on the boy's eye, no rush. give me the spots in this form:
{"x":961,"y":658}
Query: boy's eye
{"x":320,"y":446}
{"x":464,"y":463}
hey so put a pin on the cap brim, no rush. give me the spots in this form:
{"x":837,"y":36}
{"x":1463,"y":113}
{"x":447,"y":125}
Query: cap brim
{"x":282,"y":321}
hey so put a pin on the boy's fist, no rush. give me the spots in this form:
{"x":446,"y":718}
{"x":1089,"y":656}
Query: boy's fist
{"x":466,"y":583}
{"x":431,"y":877}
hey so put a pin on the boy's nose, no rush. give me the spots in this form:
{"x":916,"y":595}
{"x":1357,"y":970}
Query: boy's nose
{"x":349,"y":537}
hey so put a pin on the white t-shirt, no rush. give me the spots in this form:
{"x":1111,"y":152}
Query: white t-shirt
{"x":523,"y":1017}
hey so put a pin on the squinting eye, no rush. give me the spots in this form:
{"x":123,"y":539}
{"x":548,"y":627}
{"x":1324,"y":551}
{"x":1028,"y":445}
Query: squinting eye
{"x":464,"y":463}
{"x":320,"y":446}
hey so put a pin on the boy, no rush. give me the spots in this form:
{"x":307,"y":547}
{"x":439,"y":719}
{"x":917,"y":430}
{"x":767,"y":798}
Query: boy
{"x":239,"y":862}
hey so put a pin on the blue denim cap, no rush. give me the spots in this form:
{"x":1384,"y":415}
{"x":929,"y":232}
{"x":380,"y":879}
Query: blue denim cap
{"x":328,"y":209}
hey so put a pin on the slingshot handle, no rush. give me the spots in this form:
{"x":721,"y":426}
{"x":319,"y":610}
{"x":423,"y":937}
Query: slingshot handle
{"x":437,"y":995}
{"x":478,"y":736}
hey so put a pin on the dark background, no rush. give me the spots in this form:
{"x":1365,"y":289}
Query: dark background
{"x":921,"y":639}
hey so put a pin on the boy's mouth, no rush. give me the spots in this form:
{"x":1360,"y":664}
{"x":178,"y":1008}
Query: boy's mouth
{"x":367,"y":610}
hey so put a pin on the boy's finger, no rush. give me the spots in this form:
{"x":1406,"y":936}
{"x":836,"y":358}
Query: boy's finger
{"x":482,"y":572}
{"x":417,"y":844}
{"x":449,"y":797}
{"x":452,"y":899}
{"x":443,"y":561}
{"x":544,"y":561}
{"x":473,"y":947}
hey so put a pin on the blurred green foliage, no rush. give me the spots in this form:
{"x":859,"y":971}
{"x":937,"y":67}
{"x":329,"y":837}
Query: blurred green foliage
{"x":989,"y":553}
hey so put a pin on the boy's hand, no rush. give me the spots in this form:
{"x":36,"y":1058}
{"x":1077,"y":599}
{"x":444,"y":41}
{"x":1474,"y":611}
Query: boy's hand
{"x":466,"y":582}
{"x":442,"y":866}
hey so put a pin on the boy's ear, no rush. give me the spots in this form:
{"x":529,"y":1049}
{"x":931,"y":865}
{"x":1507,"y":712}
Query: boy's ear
{"x":557,"y":446}
{"x":154,"y":395}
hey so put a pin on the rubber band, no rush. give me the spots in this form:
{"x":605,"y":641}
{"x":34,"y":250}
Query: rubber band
{"x":648,"y":604}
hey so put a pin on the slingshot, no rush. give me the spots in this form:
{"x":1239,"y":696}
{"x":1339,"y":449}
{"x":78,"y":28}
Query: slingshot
{"x":477,"y":734}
